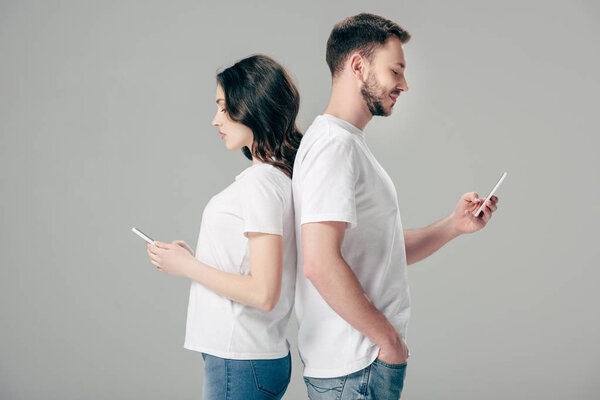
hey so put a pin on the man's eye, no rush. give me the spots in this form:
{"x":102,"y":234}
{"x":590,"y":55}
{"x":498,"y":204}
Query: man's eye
{"x":395,"y":73}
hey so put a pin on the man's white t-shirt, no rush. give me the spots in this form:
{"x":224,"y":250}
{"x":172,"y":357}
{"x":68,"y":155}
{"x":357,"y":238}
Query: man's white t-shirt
{"x":337,"y":178}
{"x":259,"y":200}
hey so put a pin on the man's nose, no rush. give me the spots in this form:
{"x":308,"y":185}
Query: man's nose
{"x":403,"y":86}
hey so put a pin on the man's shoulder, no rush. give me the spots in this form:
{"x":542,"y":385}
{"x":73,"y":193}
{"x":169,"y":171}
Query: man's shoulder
{"x":325,"y":146}
{"x":323,"y":132}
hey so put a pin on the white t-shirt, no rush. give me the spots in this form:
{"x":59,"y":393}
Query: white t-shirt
{"x":259,"y":200}
{"x":337,"y":178}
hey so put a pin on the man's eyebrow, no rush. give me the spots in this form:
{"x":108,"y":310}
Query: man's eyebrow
{"x":402,"y":65}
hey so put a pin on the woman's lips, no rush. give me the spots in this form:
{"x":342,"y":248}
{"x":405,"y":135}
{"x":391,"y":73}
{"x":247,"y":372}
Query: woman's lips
{"x":222,"y":134}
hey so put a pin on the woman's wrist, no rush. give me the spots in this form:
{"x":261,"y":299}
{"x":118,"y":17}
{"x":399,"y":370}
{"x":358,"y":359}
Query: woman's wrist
{"x":194,"y":269}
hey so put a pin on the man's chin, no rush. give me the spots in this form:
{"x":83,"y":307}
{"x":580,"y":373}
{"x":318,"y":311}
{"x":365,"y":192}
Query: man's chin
{"x":390,"y":109}
{"x":383,"y":113}
{"x":388,"y":112}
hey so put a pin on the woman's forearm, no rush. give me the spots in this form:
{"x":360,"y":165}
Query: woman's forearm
{"x":244,"y":289}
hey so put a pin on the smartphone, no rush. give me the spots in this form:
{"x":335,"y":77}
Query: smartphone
{"x":491,"y":193}
{"x":143,"y":235}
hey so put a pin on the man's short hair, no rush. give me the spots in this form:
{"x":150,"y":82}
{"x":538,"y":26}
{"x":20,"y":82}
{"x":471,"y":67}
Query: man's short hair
{"x":363,"y":33}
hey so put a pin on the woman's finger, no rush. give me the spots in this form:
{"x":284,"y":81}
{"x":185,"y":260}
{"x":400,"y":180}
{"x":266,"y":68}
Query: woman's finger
{"x":153,"y":257}
{"x":152,"y":254}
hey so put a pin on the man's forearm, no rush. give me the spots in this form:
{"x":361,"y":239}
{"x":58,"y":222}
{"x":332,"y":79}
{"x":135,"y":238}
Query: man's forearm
{"x":421,"y":243}
{"x":340,"y":288}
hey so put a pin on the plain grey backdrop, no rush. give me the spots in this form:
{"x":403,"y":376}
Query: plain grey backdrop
{"x":105,"y":111}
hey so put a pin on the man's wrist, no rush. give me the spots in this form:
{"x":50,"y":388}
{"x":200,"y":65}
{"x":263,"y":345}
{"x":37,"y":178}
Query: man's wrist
{"x":450,"y":223}
{"x":390,"y":336}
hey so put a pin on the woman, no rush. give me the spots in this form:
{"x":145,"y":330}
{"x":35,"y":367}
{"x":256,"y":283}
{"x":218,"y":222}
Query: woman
{"x":243,"y":272}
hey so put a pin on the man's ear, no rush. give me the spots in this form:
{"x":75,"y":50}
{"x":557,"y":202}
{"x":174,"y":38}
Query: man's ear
{"x":358,"y":66}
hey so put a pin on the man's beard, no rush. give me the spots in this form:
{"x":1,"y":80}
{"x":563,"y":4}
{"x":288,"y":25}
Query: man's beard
{"x":374,"y":102}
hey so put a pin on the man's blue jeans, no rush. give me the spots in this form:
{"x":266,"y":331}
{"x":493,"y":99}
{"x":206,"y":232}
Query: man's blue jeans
{"x":378,"y":381}
{"x":227,"y":379}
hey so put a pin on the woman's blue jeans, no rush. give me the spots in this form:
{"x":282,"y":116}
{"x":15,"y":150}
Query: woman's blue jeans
{"x":227,"y":379}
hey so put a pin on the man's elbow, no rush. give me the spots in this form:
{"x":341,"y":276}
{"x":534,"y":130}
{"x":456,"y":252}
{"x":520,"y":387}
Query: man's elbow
{"x":311,"y":270}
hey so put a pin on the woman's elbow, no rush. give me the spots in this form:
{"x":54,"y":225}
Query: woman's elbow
{"x":269,"y":300}
{"x":268,"y":306}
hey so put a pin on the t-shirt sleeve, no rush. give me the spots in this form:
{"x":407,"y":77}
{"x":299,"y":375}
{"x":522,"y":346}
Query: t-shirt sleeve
{"x":329,"y":181}
{"x":263,"y":203}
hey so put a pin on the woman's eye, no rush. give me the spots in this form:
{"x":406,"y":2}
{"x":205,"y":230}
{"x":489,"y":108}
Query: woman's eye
{"x":395,"y":73}
{"x":223,"y":110}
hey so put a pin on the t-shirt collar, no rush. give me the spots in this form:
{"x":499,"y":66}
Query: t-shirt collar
{"x":343,"y":123}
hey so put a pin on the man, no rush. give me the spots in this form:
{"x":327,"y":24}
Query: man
{"x":352,"y":295}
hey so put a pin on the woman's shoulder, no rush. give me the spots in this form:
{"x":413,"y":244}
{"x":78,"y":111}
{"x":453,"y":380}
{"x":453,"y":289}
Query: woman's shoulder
{"x":267,"y":174}
{"x":266,"y":180}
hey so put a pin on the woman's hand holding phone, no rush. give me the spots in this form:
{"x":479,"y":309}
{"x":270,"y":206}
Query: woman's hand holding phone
{"x":184,"y":245}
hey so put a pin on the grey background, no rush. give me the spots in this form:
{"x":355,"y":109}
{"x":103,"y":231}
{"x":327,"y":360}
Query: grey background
{"x":105,"y":111}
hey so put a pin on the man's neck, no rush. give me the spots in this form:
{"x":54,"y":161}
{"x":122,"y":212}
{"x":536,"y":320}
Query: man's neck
{"x":349,"y":106}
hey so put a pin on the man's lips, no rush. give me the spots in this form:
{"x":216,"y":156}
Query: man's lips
{"x":394,"y":97}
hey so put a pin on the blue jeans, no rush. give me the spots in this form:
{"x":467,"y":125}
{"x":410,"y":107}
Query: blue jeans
{"x":378,"y":381}
{"x":227,"y":379}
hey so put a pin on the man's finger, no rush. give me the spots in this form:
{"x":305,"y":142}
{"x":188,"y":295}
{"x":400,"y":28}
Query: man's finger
{"x":487,"y":214}
{"x":483,"y":213}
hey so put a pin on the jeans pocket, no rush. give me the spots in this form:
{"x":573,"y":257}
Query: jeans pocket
{"x":388,"y":365}
{"x":325,"y":388}
{"x":272,"y":376}
{"x":387,"y":380}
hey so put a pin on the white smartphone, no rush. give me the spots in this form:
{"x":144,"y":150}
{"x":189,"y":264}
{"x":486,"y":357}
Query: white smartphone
{"x":491,"y":193}
{"x":143,"y":235}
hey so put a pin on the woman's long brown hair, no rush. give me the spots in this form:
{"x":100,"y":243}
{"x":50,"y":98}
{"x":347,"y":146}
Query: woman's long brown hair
{"x":260,"y":94}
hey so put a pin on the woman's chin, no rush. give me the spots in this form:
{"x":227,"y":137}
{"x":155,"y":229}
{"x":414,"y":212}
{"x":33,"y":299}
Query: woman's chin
{"x":232,"y":147}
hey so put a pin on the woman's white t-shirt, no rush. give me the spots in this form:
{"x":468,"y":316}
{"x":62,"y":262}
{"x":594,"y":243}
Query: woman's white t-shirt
{"x":259,"y":200}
